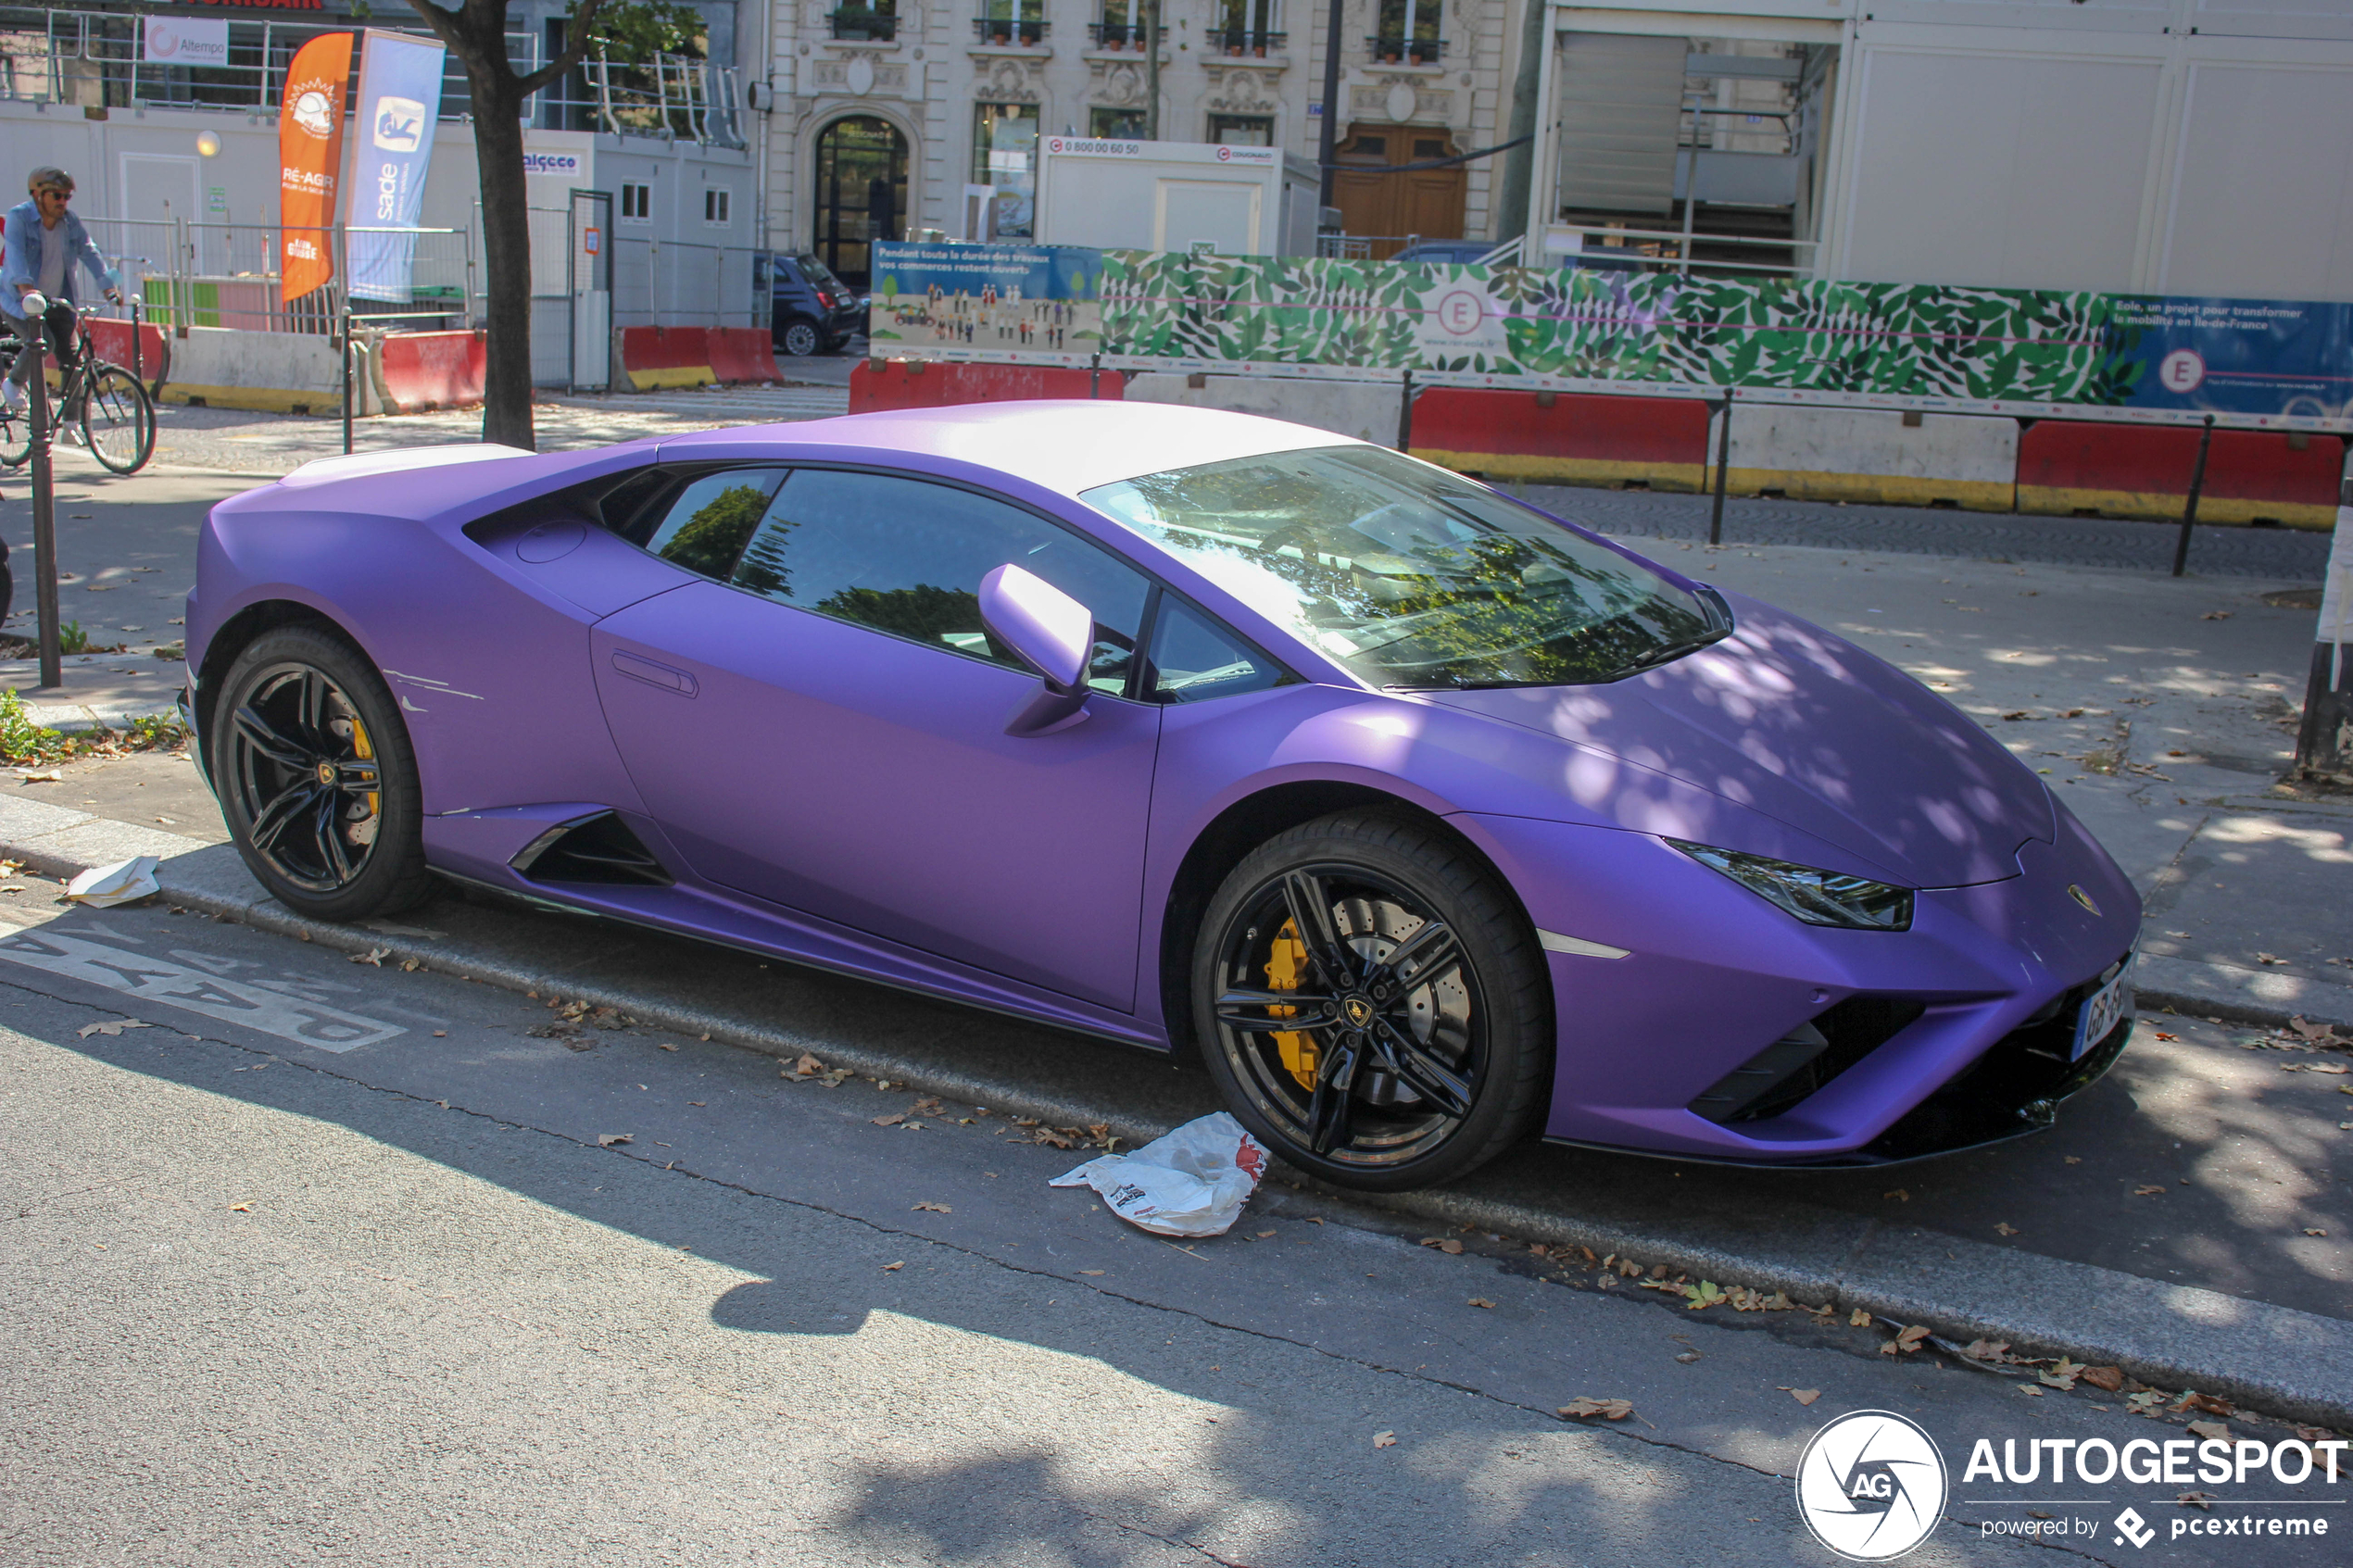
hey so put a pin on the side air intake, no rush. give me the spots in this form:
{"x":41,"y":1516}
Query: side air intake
{"x":597,"y":848}
{"x":1807,"y":1058}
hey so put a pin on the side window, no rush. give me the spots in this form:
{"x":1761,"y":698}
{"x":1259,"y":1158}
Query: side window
{"x":706,"y":527}
{"x":1193,"y":659}
{"x":906,"y":556}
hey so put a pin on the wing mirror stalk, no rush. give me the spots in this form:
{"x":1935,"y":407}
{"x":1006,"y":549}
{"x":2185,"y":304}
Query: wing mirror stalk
{"x":1050,"y":633}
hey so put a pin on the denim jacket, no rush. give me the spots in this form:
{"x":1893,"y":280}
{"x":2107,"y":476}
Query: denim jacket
{"x":22,"y":263}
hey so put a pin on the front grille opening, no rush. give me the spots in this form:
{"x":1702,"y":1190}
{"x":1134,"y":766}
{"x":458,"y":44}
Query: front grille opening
{"x":1806,"y":1059}
{"x":599,"y":849}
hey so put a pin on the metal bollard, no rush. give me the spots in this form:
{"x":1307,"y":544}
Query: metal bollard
{"x":2189,"y":510}
{"x":1723,"y":469}
{"x":347,"y":380}
{"x":44,"y":512}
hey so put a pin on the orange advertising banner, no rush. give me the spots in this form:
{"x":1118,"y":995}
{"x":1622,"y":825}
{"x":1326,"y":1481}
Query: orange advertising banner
{"x":309,"y":162}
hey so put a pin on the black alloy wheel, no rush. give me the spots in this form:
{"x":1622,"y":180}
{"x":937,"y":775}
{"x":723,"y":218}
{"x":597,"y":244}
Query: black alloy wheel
{"x":1373,"y":1003}
{"x":315,"y":775}
{"x":800,"y":337}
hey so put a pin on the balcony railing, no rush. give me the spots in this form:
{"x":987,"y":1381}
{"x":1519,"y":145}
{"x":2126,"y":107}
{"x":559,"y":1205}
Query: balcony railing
{"x":1246,"y":40}
{"x":858,"y":22}
{"x":1121,"y":35}
{"x":1009,"y":30}
{"x":1412,"y":51}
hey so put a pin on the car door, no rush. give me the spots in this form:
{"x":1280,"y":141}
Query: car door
{"x":821,"y":723}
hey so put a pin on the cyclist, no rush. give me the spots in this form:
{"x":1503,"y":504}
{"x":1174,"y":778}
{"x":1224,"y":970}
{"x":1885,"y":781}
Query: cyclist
{"x":42,"y":242}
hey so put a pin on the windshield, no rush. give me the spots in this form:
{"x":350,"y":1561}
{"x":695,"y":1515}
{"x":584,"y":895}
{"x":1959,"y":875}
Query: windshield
{"x":1412,"y":577}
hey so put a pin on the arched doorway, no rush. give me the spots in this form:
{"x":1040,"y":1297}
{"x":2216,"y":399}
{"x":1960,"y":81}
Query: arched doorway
{"x":861,"y":193}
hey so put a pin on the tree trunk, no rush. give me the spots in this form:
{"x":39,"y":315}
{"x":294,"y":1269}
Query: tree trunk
{"x":506,"y":251}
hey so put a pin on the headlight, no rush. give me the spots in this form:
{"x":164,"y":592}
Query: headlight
{"x":1817,"y":898}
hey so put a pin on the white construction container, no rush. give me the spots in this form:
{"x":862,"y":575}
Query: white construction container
{"x":1174,"y":195}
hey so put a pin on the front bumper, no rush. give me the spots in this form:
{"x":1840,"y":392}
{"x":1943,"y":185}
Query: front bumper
{"x":1960,"y":1009}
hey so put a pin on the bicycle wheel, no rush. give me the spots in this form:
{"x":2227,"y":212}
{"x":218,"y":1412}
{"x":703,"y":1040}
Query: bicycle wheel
{"x":16,"y":424}
{"x":118,"y":420}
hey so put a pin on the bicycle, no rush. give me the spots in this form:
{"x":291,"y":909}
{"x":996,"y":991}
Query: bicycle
{"x":116,"y":416}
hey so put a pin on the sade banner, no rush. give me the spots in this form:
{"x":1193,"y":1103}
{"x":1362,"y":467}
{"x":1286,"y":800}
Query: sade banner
{"x":399,"y":101}
{"x":1907,"y":344}
{"x":309,"y":153}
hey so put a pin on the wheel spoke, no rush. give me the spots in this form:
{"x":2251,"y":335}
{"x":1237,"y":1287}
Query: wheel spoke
{"x":1424,"y":956}
{"x":1444,"y":1087}
{"x":1311,"y":913}
{"x":1239,"y":1010}
{"x":284,"y":750}
{"x":272,"y":820}
{"x":326,"y":826}
{"x":314,"y":711}
{"x":355,"y":775}
{"x":1331,"y":1110}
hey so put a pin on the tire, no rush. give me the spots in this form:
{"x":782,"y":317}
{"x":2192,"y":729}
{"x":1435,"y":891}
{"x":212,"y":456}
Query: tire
{"x":798,"y":337}
{"x":118,"y":420}
{"x":295,"y":699}
{"x":1448,"y":1057}
{"x":16,"y":424}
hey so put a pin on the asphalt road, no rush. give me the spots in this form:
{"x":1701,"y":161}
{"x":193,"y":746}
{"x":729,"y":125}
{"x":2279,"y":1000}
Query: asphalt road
{"x":333,"y":1260}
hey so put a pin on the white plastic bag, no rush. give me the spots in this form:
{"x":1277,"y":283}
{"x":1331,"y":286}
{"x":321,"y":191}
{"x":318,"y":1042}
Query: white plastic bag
{"x":1192,"y":1181}
{"x":125,"y":882}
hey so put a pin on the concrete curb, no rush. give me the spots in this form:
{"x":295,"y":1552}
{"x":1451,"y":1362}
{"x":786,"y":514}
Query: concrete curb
{"x":2275,"y":1359}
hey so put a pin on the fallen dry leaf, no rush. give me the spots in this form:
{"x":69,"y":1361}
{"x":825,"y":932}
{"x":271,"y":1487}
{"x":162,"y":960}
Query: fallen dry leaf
{"x":1906,"y":1340}
{"x":1091,"y":1271}
{"x":2268,"y":958}
{"x":2063,"y":1376}
{"x":1445,"y":1243}
{"x":1901,"y":1195}
{"x":234,"y":1208}
{"x":1608,"y":1409}
{"x":892,"y":1119}
{"x":2107,"y":1379}
{"x":2310,"y":1029}
{"x":926,"y":1206}
{"x":2196,"y":1499}
{"x":608,"y":1140}
{"x":1859,"y":1318}
{"x":2150,"y":1191}
{"x":113,"y":1026}
{"x":2307,"y":1233}
{"x":1264,"y":1235}
{"x":2005,"y":1228}
{"x":53,"y":776}
{"x":1803,"y":1396}
{"x":373,"y":956}
{"x":2073,"y":1159}
{"x":806,"y":1067}
{"x":2203,"y":1404}
{"x":1380,"y":1439}
{"x":1475,"y":1302}
{"x":893,"y":1268}
{"x":2163,"y":1035}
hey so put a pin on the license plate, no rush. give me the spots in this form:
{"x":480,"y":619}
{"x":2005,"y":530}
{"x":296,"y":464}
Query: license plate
{"x":2102,"y":1010}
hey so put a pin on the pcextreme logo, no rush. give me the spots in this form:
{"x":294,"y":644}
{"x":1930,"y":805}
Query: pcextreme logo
{"x":1871,"y":1485}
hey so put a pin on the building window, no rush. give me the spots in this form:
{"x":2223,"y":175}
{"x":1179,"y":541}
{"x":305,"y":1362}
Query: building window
{"x":1122,"y":26}
{"x":637,"y":204}
{"x":1408,"y":33}
{"x":1011,"y":21}
{"x":1116,"y":125}
{"x":1004,"y":158}
{"x":1246,"y":27}
{"x":1242,"y":129}
{"x":873,"y":20}
{"x":714,"y":208}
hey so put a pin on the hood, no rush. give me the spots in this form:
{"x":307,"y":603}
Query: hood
{"x":1804,"y":727}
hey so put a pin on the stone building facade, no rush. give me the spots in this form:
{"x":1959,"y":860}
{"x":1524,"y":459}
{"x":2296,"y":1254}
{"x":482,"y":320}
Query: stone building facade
{"x":888,"y":117}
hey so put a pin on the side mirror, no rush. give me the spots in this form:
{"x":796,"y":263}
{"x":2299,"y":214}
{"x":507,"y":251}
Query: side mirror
{"x":1048,"y":630}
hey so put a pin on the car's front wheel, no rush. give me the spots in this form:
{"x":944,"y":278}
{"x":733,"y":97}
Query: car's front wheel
{"x":1373,"y":1004}
{"x":316,"y":777}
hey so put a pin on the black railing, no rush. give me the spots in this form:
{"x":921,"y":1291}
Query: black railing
{"x":858,"y":22}
{"x":1008,"y":29}
{"x":1412,"y":51}
{"x":1246,"y":40}
{"x":1121,"y":35}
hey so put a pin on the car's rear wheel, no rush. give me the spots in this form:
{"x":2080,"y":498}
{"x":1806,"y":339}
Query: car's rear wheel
{"x":317,"y":779}
{"x":1372,"y":1003}
{"x":798,"y":337}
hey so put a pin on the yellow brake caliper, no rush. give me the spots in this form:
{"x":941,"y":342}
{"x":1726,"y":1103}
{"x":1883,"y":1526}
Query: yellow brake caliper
{"x":366,"y":753}
{"x":1285,"y":966}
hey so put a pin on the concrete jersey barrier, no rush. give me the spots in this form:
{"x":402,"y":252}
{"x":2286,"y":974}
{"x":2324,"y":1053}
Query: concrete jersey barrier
{"x":271,"y":372}
{"x":2067,"y":465}
{"x":918,"y":383}
{"x":112,"y":338}
{"x":1563,"y":438}
{"x":743,"y":355}
{"x":1367,"y":410}
{"x":1883,"y":456}
{"x":665,"y":357}
{"x":414,"y":372}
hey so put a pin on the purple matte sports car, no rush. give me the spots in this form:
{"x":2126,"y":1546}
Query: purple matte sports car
{"x":1429,"y":819}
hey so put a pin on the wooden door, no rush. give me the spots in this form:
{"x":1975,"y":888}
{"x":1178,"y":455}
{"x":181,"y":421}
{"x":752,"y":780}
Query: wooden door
{"x":1378,"y":202}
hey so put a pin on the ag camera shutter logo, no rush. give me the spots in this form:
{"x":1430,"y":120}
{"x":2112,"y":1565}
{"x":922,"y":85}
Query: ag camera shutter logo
{"x":1871,"y":1485}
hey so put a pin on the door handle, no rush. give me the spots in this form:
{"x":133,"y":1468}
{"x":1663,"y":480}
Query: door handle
{"x":640,"y":668}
